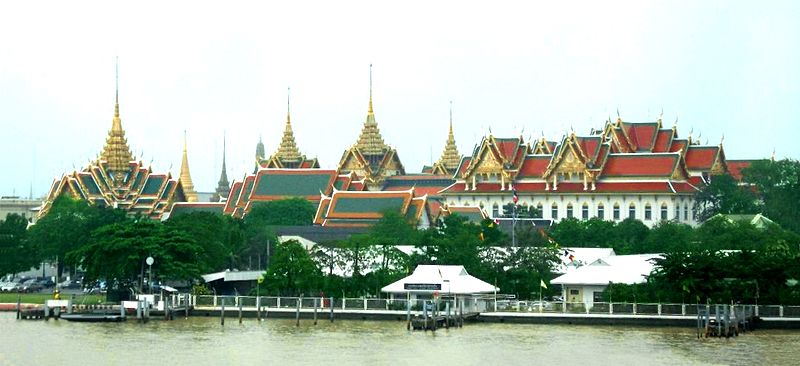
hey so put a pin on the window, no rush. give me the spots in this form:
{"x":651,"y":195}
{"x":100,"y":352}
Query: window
{"x":677,"y":212}
{"x":569,"y":211}
{"x":495,"y":210}
{"x":540,"y":209}
{"x":648,"y":212}
{"x":574,"y":292}
{"x":664,"y":211}
{"x":616,"y":211}
{"x":632,"y":211}
{"x":685,"y":212}
{"x":554,"y":212}
{"x":585,"y":212}
{"x":597,"y":296}
{"x":601,"y":214}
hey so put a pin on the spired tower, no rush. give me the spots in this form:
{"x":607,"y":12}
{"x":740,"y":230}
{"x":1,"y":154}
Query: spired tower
{"x":288,"y":156}
{"x":116,"y":180}
{"x":186,"y":178}
{"x":260,"y":154}
{"x":450,"y":159}
{"x":116,"y":152}
{"x":223,"y":186}
{"x":370,"y":157}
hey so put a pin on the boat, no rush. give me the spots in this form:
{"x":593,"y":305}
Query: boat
{"x":94,"y":318}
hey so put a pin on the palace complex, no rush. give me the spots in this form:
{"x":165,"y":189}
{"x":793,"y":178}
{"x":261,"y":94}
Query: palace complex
{"x":640,"y":170}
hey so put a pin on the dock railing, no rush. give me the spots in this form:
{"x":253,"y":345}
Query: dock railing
{"x":468,"y":305}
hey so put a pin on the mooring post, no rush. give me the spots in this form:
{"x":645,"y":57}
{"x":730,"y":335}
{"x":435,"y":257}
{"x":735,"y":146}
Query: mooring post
{"x":315,"y":310}
{"x":186,"y":306}
{"x":222,"y":313}
{"x":447,"y":317}
{"x":122,"y":309}
{"x":332,"y":309}
{"x":408,"y":310}
{"x":138,"y":310}
{"x":365,"y":303}
{"x":297,"y":312}
{"x":146,"y":311}
{"x":19,"y":304}
{"x":258,"y":308}
{"x":240,"y":312}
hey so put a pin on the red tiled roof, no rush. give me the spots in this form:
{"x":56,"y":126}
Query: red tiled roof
{"x":701,"y":157}
{"x":534,"y":165}
{"x":678,"y":145}
{"x":463,"y":167}
{"x":697,"y":181}
{"x":663,"y":141}
{"x":640,"y":165}
{"x":507,"y":147}
{"x":589,"y":145}
{"x":642,"y":134}
{"x":735,"y":167}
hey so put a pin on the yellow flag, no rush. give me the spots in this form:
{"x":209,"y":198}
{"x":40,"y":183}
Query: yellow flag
{"x":542,"y":284}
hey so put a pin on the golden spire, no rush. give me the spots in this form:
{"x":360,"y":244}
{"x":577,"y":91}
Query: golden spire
{"x":186,"y":178}
{"x":116,"y":152}
{"x":288,"y":150}
{"x":370,"y":141}
{"x":450,"y":156}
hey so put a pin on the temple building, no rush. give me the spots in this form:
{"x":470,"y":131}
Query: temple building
{"x":116,"y":179}
{"x":625,"y":170}
{"x":288,"y":155}
{"x":370,"y":157}
{"x":361,"y":209}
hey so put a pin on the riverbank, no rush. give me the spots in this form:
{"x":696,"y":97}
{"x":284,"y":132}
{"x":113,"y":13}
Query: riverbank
{"x":324,"y":314}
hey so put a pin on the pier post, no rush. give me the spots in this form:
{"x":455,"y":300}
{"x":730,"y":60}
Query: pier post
{"x":659,"y":309}
{"x":683,"y":309}
{"x":780,"y":311}
{"x":610,"y":308}
{"x":425,"y":314}
{"x":297,"y":312}
{"x":408,"y":310}
{"x":365,"y":303}
{"x":186,"y":306}
{"x":122,"y":309}
{"x":447,"y":318}
{"x":19,"y":303}
{"x":146,"y":311}
{"x":316,"y":304}
{"x":258,"y":308}
{"x":332,"y":309}
{"x":240,"y":310}
{"x":634,"y":308}
{"x":57,"y":312}
{"x":138,"y":311}
{"x":222,"y":314}
{"x":215,"y":300}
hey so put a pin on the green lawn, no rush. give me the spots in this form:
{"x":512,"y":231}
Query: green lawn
{"x":40,"y":298}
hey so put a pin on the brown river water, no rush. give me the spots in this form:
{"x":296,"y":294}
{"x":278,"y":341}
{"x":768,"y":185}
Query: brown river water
{"x":202,"y":341}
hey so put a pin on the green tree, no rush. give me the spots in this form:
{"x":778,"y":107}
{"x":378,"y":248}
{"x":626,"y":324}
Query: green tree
{"x":569,"y":233}
{"x":219,"y":235}
{"x":390,"y":231}
{"x":777,"y":184}
{"x":292,"y":271}
{"x":117,"y":253}
{"x":67,"y":226}
{"x":15,"y":255}
{"x":631,"y":235}
{"x":723,"y":195}
{"x":669,"y":236}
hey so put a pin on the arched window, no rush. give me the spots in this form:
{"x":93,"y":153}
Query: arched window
{"x":677,"y":212}
{"x":685,"y":212}
{"x":569,"y":210}
{"x":616,"y":211}
{"x":585,"y":211}
{"x":554,"y":212}
{"x":495,"y":210}
{"x":632,"y":211}
{"x":601,"y":212}
{"x":540,"y":208}
{"x":648,"y":212}
{"x":664,"y":211}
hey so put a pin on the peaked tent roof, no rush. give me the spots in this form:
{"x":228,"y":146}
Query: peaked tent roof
{"x":451,"y":279}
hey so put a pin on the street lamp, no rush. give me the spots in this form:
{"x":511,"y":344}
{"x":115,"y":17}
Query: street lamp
{"x":150,"y":262}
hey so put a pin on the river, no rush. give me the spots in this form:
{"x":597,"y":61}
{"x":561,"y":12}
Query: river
{"x":202,"y":341}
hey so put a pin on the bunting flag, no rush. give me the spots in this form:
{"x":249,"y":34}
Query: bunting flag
{"x":497,"y":221}
{"x":542,"y":284}
{"x":571,"y":258}
{"x":515,"y":198}
{"x":481,"y":236}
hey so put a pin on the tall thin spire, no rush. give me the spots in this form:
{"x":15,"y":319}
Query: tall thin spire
{"x":223,"y":186}
{"x":370,"y":141}
{"x":450,"y":156}
{"x":288,"y":150}
{"x":185,"y":177}
{"x":116,"y":152}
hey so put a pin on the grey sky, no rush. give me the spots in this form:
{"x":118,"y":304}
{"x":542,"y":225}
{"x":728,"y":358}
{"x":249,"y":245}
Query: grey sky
{"x":721,"y":67}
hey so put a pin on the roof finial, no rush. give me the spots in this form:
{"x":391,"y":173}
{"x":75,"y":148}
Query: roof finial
{"x":288,"y":97}
{"x":116,"y":95}
{"x":451,"y":117}
{"x":773,"y":155}
{"x":370,"y":90}
{"x":184,"y":140}
{"x":721,"y":140}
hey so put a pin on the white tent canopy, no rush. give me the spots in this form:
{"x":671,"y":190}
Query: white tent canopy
{"x":444,"y":279}
{"x":627,"y":269}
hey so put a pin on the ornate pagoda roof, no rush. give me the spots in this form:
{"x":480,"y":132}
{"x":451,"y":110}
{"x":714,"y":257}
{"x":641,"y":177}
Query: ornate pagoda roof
{"x":116,"y":152}
{"x":223,"y":186}
{"x":450,"y":159}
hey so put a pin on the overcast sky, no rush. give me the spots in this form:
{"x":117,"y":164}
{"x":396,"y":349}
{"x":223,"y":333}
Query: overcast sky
{"x":720,"y":67}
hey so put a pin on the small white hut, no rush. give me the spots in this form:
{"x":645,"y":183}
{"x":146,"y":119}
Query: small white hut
{"x":444,"y":280}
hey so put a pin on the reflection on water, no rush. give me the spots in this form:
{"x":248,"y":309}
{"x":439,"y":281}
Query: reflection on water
{"x":202,"y":341}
